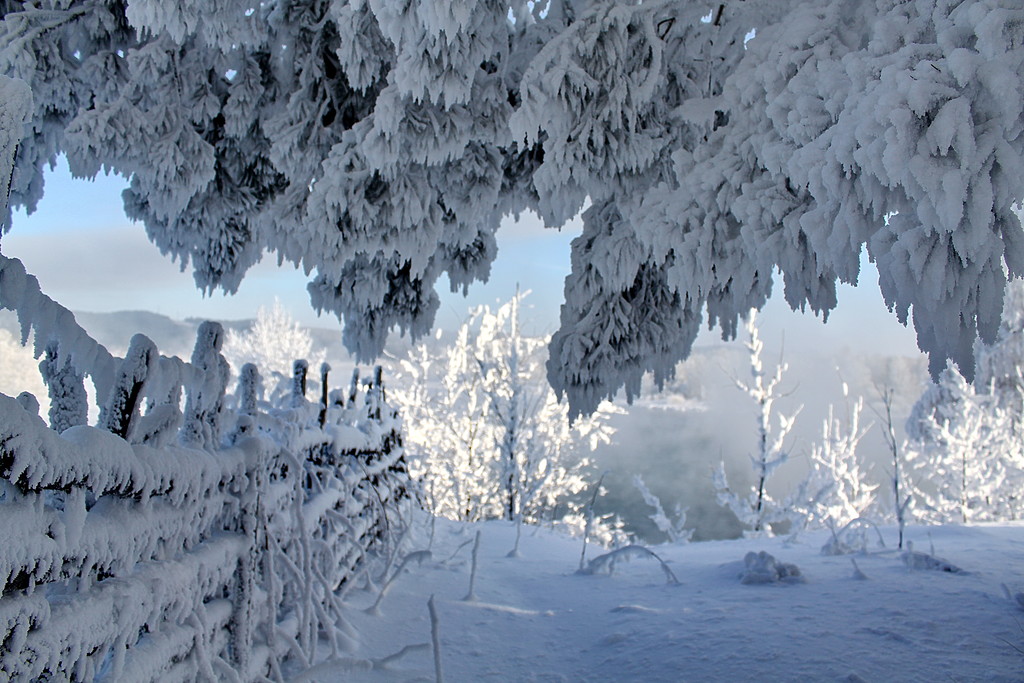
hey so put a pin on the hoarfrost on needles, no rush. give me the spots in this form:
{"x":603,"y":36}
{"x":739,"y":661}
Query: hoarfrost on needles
{"x":379,"y":144}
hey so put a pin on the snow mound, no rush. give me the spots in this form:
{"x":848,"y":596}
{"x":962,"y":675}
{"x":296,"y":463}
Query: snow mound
{"x":762,"y":567}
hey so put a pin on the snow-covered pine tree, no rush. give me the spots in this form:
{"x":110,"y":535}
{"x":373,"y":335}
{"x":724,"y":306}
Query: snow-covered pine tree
{"x":379,"y":142}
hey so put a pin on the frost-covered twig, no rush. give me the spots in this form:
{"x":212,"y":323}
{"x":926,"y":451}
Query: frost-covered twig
{"x":457,"y":551}
{"x":352,"y":664}
{"x":419,"y":556}
{"x":607,"y":562}
{"x":590,"y":521}
{"x":519,"y":533}
{"x":673,"y":529}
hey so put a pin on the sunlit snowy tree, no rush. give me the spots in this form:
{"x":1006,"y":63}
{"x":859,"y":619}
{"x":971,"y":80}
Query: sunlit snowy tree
{"x":379,"y":143}
{"x":966,"y":462}
{"x":492,"y":438}
{"x":273,"y":343}
{"x":836,"y":491}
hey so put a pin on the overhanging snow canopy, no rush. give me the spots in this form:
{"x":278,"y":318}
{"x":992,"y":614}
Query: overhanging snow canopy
{"x":377,"y":143}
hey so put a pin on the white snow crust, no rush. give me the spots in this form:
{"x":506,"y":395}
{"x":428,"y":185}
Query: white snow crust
{"x":536,"y":620}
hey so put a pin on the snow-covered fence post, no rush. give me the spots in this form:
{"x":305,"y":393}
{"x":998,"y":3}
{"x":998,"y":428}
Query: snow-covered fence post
{"x":299,"y":371}
{"x":243,"y":621}
{"x":66,"y":387}
{"x":353,"y":388}
{"x":121,"y":408}
{"x":248,"y":386}
{"x":205,"y":400}
{"x":325,"y":370}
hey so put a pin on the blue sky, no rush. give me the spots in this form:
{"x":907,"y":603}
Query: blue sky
{"x":90,"y":257}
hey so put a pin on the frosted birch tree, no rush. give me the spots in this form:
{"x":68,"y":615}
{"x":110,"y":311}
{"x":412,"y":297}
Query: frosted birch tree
{"x":966,"y":460}
{"x":378,"y":143}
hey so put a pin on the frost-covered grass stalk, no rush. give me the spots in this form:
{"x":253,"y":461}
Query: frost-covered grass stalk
{"x":418,"y":556}
{"x":471,"y":595}
{"x":607,"y":561}
{"x":674,"y":529}
{"x":435,"y":640}
{"x":519,"y":534}
{"x":590,"y":520}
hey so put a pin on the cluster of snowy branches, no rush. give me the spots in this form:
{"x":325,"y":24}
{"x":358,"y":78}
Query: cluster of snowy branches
{"x":485,"y":432}
{"x":379,"y":143}
{"x":963,"y":461}
{"x":836,"y":490}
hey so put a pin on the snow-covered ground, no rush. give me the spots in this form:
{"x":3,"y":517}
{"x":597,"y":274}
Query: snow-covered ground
{"x":536,"y":619}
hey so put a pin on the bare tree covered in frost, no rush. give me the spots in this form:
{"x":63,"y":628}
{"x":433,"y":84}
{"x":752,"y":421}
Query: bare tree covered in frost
{"x":380,"y":142}
{"x":757,"y":510}
{"x":836,"y":490}
{"x":491,"y":437}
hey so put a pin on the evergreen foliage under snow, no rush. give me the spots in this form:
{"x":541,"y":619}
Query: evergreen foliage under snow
{"x":379,"y":143}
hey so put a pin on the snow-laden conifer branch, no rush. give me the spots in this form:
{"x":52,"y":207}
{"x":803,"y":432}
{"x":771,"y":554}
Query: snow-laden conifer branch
{"x":381,"y":147}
